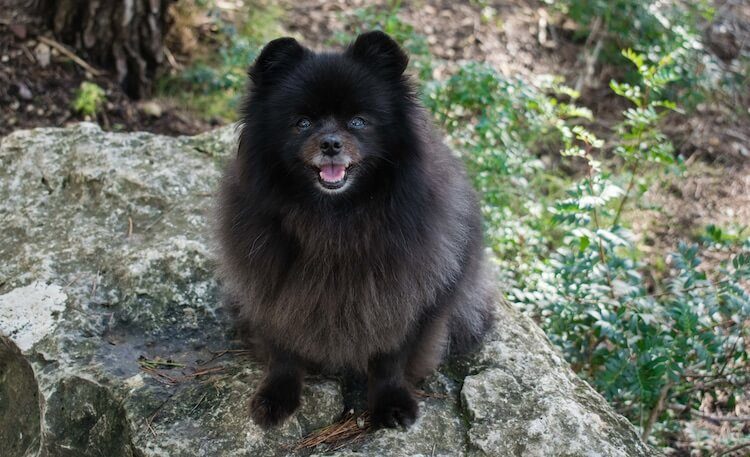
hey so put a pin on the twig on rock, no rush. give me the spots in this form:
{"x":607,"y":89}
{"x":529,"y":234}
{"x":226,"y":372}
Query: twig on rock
{"x":339,"y":434}
{"x":199,"y":402}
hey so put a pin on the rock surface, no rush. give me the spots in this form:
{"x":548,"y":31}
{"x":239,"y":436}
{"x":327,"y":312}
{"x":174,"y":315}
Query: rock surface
{"x":116,"y":345}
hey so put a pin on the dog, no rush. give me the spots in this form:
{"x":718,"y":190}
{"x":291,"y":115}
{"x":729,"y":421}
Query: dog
{"x":349,"y":235}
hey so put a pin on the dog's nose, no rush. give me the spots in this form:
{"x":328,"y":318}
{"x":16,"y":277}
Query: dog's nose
{"x":330,"y":145}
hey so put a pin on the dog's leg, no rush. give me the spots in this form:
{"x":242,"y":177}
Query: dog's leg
{"x":391,"y":376}
{"x":389,"y":394}
{"x":279,"y":394}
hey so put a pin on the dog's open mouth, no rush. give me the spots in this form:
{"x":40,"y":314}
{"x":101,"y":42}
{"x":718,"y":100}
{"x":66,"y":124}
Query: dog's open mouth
{"x":332,"y":175}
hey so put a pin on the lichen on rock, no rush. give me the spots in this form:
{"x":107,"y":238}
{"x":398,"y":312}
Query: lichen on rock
{"x":113,"y":321}
{"x":28,"y":313}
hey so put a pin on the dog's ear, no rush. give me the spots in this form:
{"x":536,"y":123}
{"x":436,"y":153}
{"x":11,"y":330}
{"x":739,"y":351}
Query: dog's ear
{"x":277,"y":57}
{"x":378,"y":51}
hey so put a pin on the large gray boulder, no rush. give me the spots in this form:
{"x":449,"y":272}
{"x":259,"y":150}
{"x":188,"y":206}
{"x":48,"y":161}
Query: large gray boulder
{"x":115,"y":345}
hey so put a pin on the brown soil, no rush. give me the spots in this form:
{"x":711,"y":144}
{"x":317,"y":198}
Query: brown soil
{"x":38,"y":91}
{"x":512,"y":36}
{"x":679,"y":208}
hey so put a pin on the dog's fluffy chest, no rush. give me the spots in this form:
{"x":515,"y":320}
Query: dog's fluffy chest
{"x":340,"y":313}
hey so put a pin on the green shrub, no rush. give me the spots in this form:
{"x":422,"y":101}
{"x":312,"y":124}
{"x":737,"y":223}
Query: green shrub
{"x":654,"y":29}
{"x":642,"y":345}
{"x":215,"y":87}
{"x":495,"y":122}
{"x":88,"y":99}
{"x":214,"y":84}
{"x":568,"y":257}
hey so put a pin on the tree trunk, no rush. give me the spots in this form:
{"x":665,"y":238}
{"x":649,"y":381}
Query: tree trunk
{"x":123,"y":36}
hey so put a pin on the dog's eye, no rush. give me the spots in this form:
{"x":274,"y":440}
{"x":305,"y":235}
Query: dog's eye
{"x":357,"y":123}
{"x":304,"y":123}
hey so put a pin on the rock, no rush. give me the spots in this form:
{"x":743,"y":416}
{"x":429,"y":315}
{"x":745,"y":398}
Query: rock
{"x":20,"y":434}
{"x":524,"y":400}
{"x":150,"y":108}
{"x":83,"y":417}
{"x":116,"y":344}
{"x":28,"y":313}
{"x":24,"y":92}
{"x":19,"y":30}
{"x":43,"y":54}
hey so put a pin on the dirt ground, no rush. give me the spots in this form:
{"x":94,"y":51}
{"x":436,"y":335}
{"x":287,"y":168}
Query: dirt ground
{"x":505,"y":34}
{"x":38,"y":85}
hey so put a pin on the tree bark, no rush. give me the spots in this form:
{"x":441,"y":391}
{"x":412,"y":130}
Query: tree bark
{"x":123,"y":36}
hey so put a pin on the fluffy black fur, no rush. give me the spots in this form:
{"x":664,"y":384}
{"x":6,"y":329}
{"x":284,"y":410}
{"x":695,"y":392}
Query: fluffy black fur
{"x":380,"y":272}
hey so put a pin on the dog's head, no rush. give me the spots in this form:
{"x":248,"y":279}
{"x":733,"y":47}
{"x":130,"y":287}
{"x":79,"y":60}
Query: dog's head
{"x":329,"y":120}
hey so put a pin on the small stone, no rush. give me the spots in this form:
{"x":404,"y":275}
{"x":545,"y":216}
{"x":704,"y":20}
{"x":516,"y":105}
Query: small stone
{"x":43,"y":55}
{"x":19,"y":30}
{"x":741,"y":149}
{"x":24,"y":92}
{"x":150,"y":108}
{"x":134,"y":382}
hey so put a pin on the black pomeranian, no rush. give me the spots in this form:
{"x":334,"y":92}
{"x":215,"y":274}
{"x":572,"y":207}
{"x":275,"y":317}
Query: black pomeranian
{"x":350,"y":237}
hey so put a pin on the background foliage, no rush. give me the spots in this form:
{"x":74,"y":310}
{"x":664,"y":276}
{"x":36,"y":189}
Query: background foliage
{"x":657,"y":333}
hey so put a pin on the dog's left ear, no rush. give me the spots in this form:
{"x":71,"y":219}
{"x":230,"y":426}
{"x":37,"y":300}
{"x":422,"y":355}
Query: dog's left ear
{"x":380,"y":52}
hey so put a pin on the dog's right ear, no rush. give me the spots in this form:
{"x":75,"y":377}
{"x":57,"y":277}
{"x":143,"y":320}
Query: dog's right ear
{"x":277,"y":57}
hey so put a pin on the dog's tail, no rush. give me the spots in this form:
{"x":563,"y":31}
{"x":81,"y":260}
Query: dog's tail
{"x":474,"y":316}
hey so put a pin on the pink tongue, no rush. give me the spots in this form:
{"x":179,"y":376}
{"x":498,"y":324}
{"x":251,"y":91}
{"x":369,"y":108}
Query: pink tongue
{"x":332,"y":172}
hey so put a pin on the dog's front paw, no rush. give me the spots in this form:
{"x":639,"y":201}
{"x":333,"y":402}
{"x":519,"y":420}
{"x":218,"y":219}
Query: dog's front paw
{"x":393,"y":406}
{"x":270,"y":405}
